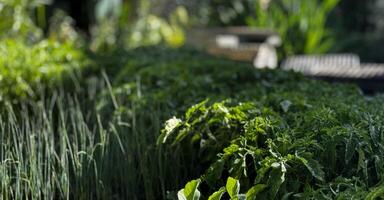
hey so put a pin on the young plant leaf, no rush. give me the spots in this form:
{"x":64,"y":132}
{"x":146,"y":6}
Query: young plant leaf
{"x":181,"y":195}
{"x":170,"y":126}
{"x":217,"y":195}
{"x":190,"y":191}
{"x":233,"y":187}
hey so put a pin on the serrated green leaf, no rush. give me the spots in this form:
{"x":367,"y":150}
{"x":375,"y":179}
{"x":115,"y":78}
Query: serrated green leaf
{"x":217,"y":195}
{"x":233,"y":187}
{"x":170,"y":126}
{"x":198,"y":107}
{"x":190,"y":191}
{"x":181,"y":195}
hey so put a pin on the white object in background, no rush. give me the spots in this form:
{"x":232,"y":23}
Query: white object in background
{"x":266,"y":57}
{"x":227,"y":41}
{"x":274,"y":40}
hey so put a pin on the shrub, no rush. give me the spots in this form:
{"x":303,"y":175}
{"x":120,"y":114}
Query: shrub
{"x":289,"y":145}
{"x":27,"y":69}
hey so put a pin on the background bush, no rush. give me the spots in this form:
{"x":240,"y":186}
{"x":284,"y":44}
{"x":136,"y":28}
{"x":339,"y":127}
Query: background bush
{"x":29,"y":69}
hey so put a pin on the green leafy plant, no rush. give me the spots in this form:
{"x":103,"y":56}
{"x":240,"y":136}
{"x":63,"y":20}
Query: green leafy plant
{"x":143,"y":28}
{"x":190,"y":191}
{"x":27,"y":69}
{"x":232,"y":188}
{"x":300,"y":153}
{"x":301,"y":24}
{"x":17,"y":21}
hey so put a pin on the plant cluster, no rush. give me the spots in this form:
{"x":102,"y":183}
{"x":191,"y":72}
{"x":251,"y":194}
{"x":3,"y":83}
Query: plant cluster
{"x":102,"y":125}
{"x":297,"y":19}
{"x":319,"y":150}
{"x":275,"y":133}
{"x":16,"y":20}
{"x":28,"y":69}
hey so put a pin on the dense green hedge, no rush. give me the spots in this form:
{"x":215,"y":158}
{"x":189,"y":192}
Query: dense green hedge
{"x":274,"y":131}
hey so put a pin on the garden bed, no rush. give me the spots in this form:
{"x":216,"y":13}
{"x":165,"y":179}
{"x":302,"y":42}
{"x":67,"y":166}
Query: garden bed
{"x":140,"y":124}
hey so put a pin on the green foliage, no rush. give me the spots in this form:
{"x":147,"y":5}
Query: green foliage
{"x":28,"y":69}
{"x":190,"y":192}
{"x":221,"y":13}
{"x":16,"y":20}
{"x":217,"y":195}
{"x":301,"y":24}
{"x":116,"y":25}
{"x":48,"y":151}
{"x":267,"y":129}
{"x":151,"y":30}
{"x":191,"y":144}
{"x":376,"y":193}
{"x":233,"y":188}
{"x":303,"y":150}
{"x":256,"y":134}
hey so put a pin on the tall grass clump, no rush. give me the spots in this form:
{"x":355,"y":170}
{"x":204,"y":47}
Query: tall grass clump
{"x":48,"y":151}
{"x":66,"y":147}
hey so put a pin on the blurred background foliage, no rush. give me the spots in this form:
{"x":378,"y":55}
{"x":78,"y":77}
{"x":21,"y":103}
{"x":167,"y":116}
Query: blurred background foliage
{"x":16,"y":18}
{"x":310,"y":26}
{"x":134,"y":23}
{"x":301,"y":24}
